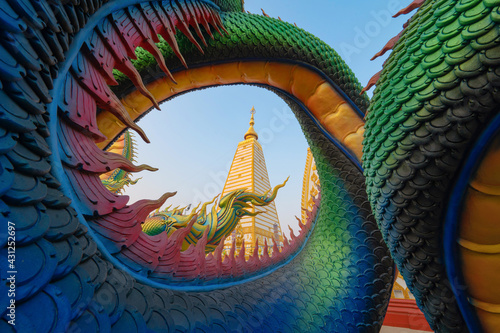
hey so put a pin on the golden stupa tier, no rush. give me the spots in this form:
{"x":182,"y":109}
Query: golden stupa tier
{"x":310,"y":186}
{"x":248,"y":171}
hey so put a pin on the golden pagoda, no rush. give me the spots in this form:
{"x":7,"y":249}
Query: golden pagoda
{"x":248,"y":170}
{"x":310,"y":186}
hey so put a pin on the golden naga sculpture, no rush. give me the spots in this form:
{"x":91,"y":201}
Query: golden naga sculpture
{"x":220,"y":223}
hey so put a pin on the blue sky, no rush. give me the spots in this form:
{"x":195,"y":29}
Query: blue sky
{"x":194,"y":137}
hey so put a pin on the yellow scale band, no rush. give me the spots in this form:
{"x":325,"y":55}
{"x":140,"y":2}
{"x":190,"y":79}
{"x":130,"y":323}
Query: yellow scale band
{"x":325,"y":103}
{"x":480,"y":239}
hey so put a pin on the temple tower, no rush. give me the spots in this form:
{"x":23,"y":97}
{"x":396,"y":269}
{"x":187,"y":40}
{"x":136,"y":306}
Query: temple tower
{"x":248,"y":170}
{"x":310,"y":186}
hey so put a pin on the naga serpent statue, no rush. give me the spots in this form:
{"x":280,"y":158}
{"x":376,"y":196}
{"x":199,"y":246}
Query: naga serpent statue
{"x":417,"y":182}
{"x":115,"y":180}
{"x":218,"y":224}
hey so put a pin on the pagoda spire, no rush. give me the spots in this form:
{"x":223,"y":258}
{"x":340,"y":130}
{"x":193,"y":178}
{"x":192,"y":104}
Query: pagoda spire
{"x":251,"y":131}
{"x":248,"y":171}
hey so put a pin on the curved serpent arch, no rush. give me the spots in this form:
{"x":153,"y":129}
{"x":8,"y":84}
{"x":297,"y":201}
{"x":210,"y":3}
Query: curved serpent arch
{"x":80,"y":279}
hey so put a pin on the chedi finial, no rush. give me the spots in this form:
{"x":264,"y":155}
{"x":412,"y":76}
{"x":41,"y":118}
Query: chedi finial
{"x":251,"y":131}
